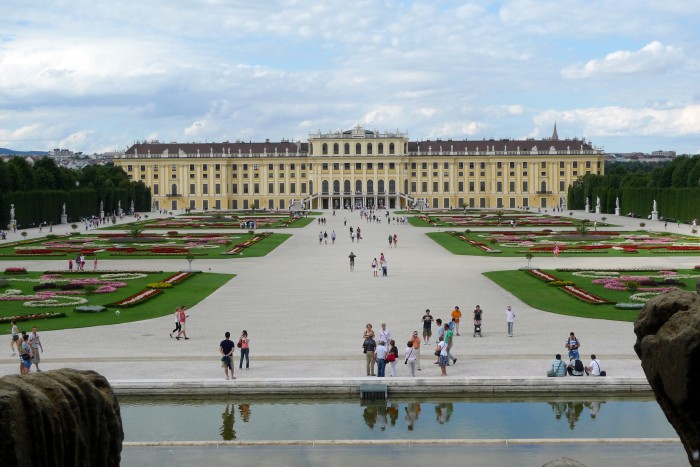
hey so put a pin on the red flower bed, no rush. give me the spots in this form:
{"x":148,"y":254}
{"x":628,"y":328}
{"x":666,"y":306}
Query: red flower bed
{"x":137,"y":298}
{"x":583,"y":295}
{"x":170,"y":250}
{"x":34,"y":251}
{"x":15,"y":270}
{"x":177,"y":278}
{"x":542,"y":275}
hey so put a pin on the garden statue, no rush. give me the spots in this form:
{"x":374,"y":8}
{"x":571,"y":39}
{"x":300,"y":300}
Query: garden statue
{"x":64,"y":209}
{"x":654,"y":206}
{"x":654,"y":213}
{"x":12,"y":212}
{"x":588,"y":206}
{"x":131,"y":207}
{"x":597,"y":205}
{"x":617,"y":206}
{"x":102,"y":206}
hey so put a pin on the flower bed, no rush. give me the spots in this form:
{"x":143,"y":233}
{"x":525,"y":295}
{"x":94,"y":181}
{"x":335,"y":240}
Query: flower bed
{"x":136,"y":299}
{"x":583,"y":295}
{"x":160,"y":285}
{"x":32,"y":317}
{"x":542,"y":275}
{"x":15,"y":270}
{"x":177,"y":278}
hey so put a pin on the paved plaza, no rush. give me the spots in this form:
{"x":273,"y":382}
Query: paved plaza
{"x":305,"y":312}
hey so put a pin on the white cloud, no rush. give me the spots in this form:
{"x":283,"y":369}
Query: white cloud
{"x":196,"y":129}
{"x":653,"y":57}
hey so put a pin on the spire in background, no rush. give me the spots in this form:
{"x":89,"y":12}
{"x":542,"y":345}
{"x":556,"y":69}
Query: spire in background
{"x":555,"y":135}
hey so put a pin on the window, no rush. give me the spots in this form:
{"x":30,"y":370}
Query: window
{"x":380,"y":148}
{"x":562,"y":186}
{"x":217,"y":167}
{"x":217,"y":189}
{"x":324,"y":149}
{"x":524,"y":165}
{"x":369,"y":166}
{"x":446,"y":165}
{"x":270,"y":167}
{"x":256,"y":188}
{"x":346,"y":148}
{"x":561,"y":173}
{"x":369,"y":148}
{"x":336,"y":149}
{"x":561,"y":164}
{"x":424,"y":187}
{"x":204,"y":167}
{"x":324,"y":166}
{"x":435,"y":165}
{"x":511,"y":187}
{"x":281,"y":187}
{"x":155,"y":168}
{"x":205,"y":189}
{"x":413,"y":187}
{"x":191,"y":167}
{"x":303,"y":187}
{"x":446,"y":187}
{"x":460,"y":165}
{"x":392,"y":166}
{"x":499,"y":187}
{"x":192,"y":187}
{"x":292,"y":188}
{"x":143,"y":168}
{"x":413,"y":165}
{"x":575,"y":164}
{"x":588,"y":164}
{"x":203,"y":175}
{"x":346,"y":166}
{"x":255,"y":166}
{"x":435,"y":187}
{"x":499,"y":165}
{"x":380,"y":165}
{"x":471,"y":186}
{"x":270,"y":188}
{"x":471,"y":165}
{"x":482,"y":165}
{"x":358,"y":166}
{"x":245,"y":166}
{"x":155,"y":189}
{"x":543,"y":165}
{"x":524,"y":187}
{"x":511,"y":165}
{"x":245,"y":188}
{"x":234,"y":188}
{"x":191,"y":175}
{"x":460,"y":186}
{"x":234,"y":167}
{"x":424,"y":165}
{"x":129,"y":168}
{"x":281,"y":166}
{"x":391,"y":148}
{"x":482,"y":186}
{"x":358,"y":148}
{"x":336,"y":166}
{"x":173,"y":189}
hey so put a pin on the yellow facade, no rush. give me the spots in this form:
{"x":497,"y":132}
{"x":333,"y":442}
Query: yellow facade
{"x":361,"y":168}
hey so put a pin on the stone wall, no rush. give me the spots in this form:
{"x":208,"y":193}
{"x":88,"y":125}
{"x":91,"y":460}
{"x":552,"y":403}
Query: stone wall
{"x":59,"y":418}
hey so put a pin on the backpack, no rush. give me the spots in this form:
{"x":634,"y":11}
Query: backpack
{"x":578,"y":365}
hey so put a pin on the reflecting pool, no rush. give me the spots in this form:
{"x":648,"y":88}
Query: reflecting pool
{"x":228,"y":418}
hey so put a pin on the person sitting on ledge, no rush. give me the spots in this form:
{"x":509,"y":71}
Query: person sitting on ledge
{"x":594,"y":368}
{"x":558,"y":367}
{"x":575,"y":367}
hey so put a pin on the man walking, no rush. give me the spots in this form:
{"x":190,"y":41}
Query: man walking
{"x":380,"y":358}
{"x":368,"y":347}
{"x":226,"y":348}
{"x":384,"y":334}
{"x":35,"y":344}
{"x":448,"y":343}
{"x":510,"y":320}
{"x":352,"y":257}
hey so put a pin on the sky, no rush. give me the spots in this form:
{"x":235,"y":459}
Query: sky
{"x":96,"y":76}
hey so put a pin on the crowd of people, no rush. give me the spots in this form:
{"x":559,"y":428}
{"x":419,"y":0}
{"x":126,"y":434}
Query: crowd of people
{"x":28,"y":346}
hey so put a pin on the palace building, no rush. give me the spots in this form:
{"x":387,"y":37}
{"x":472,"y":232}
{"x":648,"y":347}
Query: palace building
{"x":360,"y":167}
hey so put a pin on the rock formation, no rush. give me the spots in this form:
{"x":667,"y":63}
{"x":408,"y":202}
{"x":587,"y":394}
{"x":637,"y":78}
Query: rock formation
{"x":668,"y":343}
{"x":59,"y":418}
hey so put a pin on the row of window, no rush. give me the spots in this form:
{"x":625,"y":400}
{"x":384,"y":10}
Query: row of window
{"x":368,"y":165}
{"x":369,"y":149}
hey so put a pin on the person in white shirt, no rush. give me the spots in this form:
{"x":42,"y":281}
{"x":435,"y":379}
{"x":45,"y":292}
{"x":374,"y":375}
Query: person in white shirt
{"x":410,"y":353}
{"x":594,"y":368}
{"x":384,"y":334}
{"x":510,"y":320}
{"x":380,"y":357}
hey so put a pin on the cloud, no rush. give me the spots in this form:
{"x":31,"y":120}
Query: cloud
{"x":653,"y":57}
{"x":626,"y":121}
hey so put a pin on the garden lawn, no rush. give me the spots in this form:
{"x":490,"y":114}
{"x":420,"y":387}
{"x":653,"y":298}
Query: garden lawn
{"x":188,"y":293}
{"x":537,"y":294}
{"x":260,"y":248}
{"x":457,"y":246}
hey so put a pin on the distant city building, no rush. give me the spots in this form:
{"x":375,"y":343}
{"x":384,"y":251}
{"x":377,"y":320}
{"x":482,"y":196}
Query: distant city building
{"x":653,"y":157}
{"x":360,"y":167}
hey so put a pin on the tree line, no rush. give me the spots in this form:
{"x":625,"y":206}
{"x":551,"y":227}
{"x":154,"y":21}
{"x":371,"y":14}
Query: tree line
{"x":674,"y":185}
{"x":39,"y":191}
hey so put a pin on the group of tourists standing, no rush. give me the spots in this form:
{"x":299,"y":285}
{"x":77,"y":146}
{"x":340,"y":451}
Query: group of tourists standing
{"x":28,"y":346}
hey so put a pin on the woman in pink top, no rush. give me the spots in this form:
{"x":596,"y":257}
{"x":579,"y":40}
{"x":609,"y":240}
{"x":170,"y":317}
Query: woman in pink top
{"x":183,"y":317}
{"x":244,"y":344}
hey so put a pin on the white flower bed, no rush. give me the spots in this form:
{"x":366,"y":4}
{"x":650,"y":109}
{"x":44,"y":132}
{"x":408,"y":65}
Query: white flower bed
{"x":56,"y":301}
{"x":124,"y":276}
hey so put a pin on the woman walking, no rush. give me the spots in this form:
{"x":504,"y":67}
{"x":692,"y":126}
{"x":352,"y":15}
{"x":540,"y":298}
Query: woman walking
{"x":177,"y":322}
{"x":244,"y":345}
{"x":25,"y":355}
{"x":410,"y":354}
{"x":374,"y":267}
{"x":14,"y":342}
